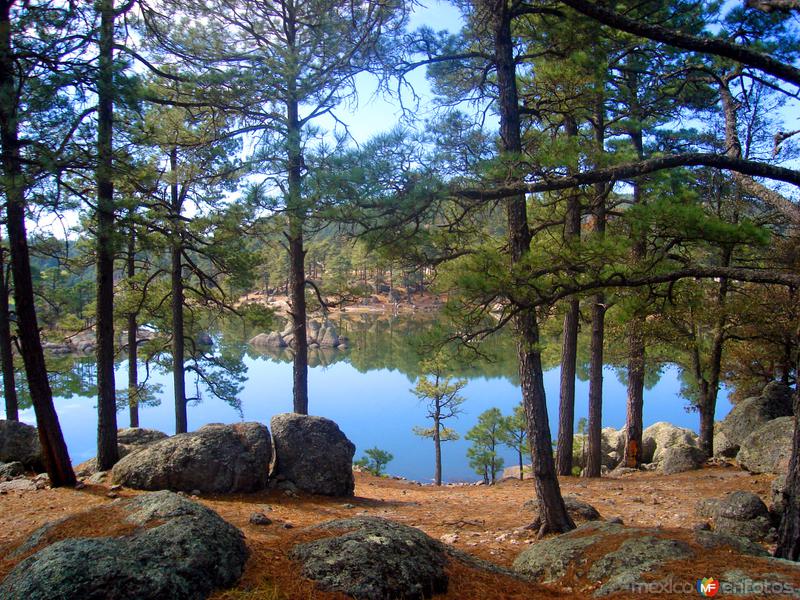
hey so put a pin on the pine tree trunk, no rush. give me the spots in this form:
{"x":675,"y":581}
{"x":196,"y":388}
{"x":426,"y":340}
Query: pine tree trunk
{"x":54,"y":449}
{"x":177,"y":302}
{"x":598,"y":315}
{"x":789,"y":530}
{"x":569,"y":347}
{"x":133,"y":367}
{"x":297,"y":254}
{"x":6,"y":349}
{"x":632,"y":454}
{"x":595,"y":425}
{"x":551,"y":505}
{"x":632,"y":457}
{"x":437,"y":448}
{"x":107,"y":451}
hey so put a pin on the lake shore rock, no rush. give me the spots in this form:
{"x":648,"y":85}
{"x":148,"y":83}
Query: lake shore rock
{"x":20,"y":442}
{"x":369,"y":558}
{"x":216,"y":458}
{"x":129,"y":440}
{"x":175,"y":549}
{"x":750,"y":414}
{"x":768,"y":448}
{"x":662,"y":435}
{"x":313,"y":454}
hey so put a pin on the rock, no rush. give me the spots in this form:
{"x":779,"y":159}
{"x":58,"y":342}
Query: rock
{"x":634,"y":557}
{"x":313,"y":454}
{"x":328,"y":337}
{"x":215,"y":458}
{"x":577,"y":509}
{"x":259,"y":518}
{"x":374,"y":559}
{"x":612,"y":446}
{"x":740,"y":514}
{"x":513,"y":472}
{"x":178,"y":549}
{"x":129,"y":440}
{"x":778,"y":492}
{"x":137,"y":436}
{"x":716,"y":539}
{"x":769,"y":447}
{"x":662,"y":435}
{"x":268,"y":340}
{"x":20,"y":442}
{"x":449,"y":538}
{"x":11,"y":470}
{"x":549,"y":560}
{"x":680,"y":458}
{"x":18,"y":485}
{"x":56,"y":348}
{"x":750,"y":414}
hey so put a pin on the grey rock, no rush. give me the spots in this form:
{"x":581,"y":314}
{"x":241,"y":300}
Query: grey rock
{"x":750,"y":414}
{"x":259,"y":518}
{"x":680,"y":458}
{"x":268,"y":340}
{"x":182,"y":551}
{"x":549,"y":560}
{"x":11,"y":470}
{"x":313,"y":454}
{"x":20,"y":442}
{"x":778,"y":492}
{"x":769,"y":447}
{"x":137,"y":436}
{"x":739,"y":514}
{"x":634,"y":557}
{"x":328,"y":337}
{"x":18,"y":485}
{"x":215,"y":458}
{"x":662,"y":435}
{"x":375,"y":559}
{"x":714,"y":540}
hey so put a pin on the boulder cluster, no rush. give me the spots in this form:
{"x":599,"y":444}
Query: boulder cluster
{"x":307,"y":453}
{"x":320,"y":334}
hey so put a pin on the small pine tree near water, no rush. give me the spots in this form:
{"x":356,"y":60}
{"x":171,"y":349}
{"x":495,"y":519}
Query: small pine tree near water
{"x":486,"y":436}
{"x":444,"y":402}
{"x":374,"y":460}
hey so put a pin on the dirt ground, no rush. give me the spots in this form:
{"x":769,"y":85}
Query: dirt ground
{"x":486,"y":521}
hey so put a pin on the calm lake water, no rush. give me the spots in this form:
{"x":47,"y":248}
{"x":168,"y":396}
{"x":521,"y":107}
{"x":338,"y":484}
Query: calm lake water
{"x":365,"y":389}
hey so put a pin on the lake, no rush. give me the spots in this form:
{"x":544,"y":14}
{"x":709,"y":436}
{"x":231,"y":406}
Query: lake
{"x":365,"y":389}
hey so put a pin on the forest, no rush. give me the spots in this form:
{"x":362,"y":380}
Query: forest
{"x":627,"y":171}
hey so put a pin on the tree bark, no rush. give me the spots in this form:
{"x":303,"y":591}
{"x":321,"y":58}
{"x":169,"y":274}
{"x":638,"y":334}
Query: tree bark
{"x":133,"y":326}
{"x":569,"y":347}
{"x":634,"y":426}
{"x":6,"y":349}
{"x":177,"y":300}
{"x":437,"y":448}
{"x":551,"y":505}
{"x":297,"y":253}
{"x":54,"y":449}
{"x":107,"y":451}
{"x":598,"y":315}
{"x":789,"y":530}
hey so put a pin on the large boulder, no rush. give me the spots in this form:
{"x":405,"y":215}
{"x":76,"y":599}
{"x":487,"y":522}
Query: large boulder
{"x":743,"y":514}
{"x":629,"y":553}
{"x":328,"y":337}
{"x":369,"y":558}
{"x":681,"y":457}
{"x":750,"y":414}
{"x":268,"y":340}
{"x":178,"y":549}
{"x":612,"y":446}
{"x":662,"y":435}
{"x":215,"y":458}
{"x":769,"y":447}
{"x":20,"y":442}
{"x":313,"y":454}
{"x":129,"y":440}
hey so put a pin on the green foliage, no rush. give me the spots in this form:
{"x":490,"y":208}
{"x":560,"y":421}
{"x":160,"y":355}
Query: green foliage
{"x":374,"y":460}
{"x":486,"y":436}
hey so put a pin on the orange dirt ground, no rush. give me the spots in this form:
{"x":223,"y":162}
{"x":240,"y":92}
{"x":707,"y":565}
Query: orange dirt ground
{"x":487,"y":520}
